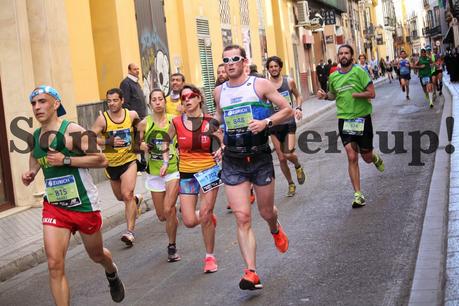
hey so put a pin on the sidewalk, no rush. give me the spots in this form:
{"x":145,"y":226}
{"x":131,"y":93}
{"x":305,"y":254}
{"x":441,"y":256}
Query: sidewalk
{"x":452,"y":251}
{"x":21,"y":246}
{"x":436,"y":276}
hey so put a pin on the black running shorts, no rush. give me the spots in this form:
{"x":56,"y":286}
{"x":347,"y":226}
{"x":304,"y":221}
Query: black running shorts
{"x":114,"y":173}
{"x":281,"y":131}
{"x":365,"y":141}
{"x":257,"y":169}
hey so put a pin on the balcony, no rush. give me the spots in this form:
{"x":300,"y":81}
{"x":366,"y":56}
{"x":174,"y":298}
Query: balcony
{"x":427,"y":31}
{"x":426,"y":4}
{"x":408,"y":39}
{"x":414,"y":35}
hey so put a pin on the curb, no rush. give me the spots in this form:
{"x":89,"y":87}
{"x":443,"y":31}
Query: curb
{"x":451,"y":296}
{"x":428,"y":287}
{"x":35,"y":251}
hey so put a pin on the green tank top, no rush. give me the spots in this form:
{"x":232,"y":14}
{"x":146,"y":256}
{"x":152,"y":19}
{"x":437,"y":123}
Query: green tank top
{"x":65,"y":186}
{"x":154,"y":136}
{"x":426,"y":71}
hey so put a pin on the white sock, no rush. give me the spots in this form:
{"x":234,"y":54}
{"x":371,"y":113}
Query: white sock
{"x":210,"y":255}
{"x":431,"y":97}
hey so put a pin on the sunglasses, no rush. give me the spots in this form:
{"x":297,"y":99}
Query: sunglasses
{"x":189,"y":96}
{"x":234,"y":59}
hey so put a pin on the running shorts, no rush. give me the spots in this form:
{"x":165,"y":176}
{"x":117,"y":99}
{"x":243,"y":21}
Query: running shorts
{"x":115,"y":173}
{"x":365,"y":141}
{"x":156,"y":183}
{"x":85,"y":222}
{"x":281,"y":131}
{"x":257,"y":169}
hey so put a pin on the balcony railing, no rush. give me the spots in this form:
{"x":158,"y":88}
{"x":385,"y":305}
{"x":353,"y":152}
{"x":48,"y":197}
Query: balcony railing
{"x":427,"y":31}
{"x":414,"y":35}
{"x":408,"y":39}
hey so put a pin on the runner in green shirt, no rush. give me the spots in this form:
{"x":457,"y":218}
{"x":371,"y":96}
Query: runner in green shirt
{"x":352,"y":88}
{"x":425,"y":75}
{"x":163,"y":177}
{"x":71,"y":199}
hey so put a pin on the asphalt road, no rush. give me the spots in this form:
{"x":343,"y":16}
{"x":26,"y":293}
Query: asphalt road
{"x":337,"y":256}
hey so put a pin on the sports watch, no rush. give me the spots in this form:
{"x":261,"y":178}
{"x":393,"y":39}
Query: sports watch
{"x":67,"y":161}
{"x":269,"y":122}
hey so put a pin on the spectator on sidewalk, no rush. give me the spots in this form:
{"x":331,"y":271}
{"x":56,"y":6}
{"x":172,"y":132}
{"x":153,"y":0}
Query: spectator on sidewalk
{"x":134,"y":98}
{"x":322,"y":75}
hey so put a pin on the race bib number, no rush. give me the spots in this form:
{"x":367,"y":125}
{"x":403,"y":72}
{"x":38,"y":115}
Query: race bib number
{"x":354,"y":126}
{"x":209,"y":179}
{"x":286,"y":95}
{"x":238,"y":118}
{"x":62,"y":191}
{"x":124,"y":134}
{"x":425,"y":81}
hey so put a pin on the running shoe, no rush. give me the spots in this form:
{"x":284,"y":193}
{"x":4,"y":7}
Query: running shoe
{"x":172,"y":255}
{"x":250,"y":281}
{"x":138,"y":202}
{"x":228,"y":207}
{"x":300,"y":176}
{"x":407,"y":97}
{"x":291,"y":190}
{"x":379,"y":163}
{"x":210,"y":264}
{"x":281,"y":239}
{"x":431,"y":105}
{"x":128,"y":238}
{"x":359,"y":200}
{"x":116,"y":286}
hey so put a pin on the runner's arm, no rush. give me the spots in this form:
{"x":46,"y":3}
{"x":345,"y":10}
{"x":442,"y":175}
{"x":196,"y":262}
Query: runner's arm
{"x":298,"y":99}
{"x":369,"y":92}
{"x":218,"y":111}
{"x":269,"y":92}
{"x":296,"y":93}
{"x":141,"y":130}
{"x":98,"y":127}
{"x":83,"y":141}
{"x":34,"y":167}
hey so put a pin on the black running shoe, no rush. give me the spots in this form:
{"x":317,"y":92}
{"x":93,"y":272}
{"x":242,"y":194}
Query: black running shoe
{"x":116,"y":288}
{"x":172,"y":254}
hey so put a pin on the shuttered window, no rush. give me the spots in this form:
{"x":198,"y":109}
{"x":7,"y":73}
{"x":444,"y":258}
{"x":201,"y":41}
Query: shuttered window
{"x":207,"y":66}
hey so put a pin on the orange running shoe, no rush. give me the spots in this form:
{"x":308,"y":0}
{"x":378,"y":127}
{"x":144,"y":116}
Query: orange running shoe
{"x":250,"y":281}
{"x":210,"y":264}
{"x":281,"y":239}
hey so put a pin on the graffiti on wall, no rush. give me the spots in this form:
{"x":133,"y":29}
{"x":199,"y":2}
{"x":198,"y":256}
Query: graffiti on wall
{"x":154,"y":51}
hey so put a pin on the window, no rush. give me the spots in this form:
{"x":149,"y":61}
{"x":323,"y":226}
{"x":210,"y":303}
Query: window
{"x":207,"y":66}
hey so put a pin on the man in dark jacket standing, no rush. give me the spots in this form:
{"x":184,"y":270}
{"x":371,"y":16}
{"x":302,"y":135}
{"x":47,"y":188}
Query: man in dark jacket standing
{"x":322,"y":74}
{"x":134,"y":98}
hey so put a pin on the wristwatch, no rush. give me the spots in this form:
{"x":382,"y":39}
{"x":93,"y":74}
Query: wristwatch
{"x":269,"y":122}
{"x":67,"y":161}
